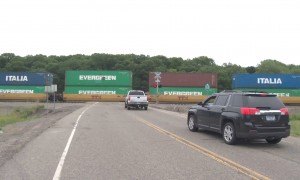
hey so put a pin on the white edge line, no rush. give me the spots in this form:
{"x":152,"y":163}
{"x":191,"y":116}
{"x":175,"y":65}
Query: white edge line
{"x":65,"y":152}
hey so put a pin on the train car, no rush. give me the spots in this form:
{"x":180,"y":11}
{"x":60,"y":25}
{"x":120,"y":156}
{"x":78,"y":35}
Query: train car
{"x":97,"y":85}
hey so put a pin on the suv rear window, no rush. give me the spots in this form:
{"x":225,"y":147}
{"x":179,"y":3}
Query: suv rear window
{"x":141,"y":93}
{"x":268,"y":102}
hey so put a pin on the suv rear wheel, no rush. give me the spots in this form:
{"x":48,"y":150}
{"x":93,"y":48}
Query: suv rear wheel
{"x":273,"y":140}
{"x":229,"y":133}
{"x":192,"y":123}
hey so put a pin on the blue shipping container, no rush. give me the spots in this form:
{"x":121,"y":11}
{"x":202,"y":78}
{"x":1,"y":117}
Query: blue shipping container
{"x":25,"y":79}
{"x":267,"y":81}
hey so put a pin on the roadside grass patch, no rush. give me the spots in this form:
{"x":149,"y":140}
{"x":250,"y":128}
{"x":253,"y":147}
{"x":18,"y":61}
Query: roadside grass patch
{"x":19,"y":115}
{"x":295,"y":124}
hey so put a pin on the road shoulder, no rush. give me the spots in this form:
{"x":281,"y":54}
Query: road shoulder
{"x":15,"y":136}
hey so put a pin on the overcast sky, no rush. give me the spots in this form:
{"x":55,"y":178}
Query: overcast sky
{"x":237,"y":31}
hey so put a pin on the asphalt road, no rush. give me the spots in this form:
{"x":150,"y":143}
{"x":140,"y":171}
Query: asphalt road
{"x":106,"y":141}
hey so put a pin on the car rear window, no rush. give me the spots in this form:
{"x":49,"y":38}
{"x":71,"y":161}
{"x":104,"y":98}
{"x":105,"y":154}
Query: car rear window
{"x":136,"y":93}
{"x":267,"y":102}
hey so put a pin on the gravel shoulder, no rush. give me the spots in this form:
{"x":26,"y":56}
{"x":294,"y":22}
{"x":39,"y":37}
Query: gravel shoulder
{"x":15,"y":136}
{"x":180,"y":108}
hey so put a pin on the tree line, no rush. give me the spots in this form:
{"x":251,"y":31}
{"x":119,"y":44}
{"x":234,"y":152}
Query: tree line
{"x":140,"y":65}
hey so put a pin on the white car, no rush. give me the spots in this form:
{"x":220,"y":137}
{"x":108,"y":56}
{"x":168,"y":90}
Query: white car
{"x":136,"y":99}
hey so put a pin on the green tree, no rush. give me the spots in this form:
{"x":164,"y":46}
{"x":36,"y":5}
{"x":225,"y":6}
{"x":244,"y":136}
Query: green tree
{"x":17,"y":64}
{"x":225,"y":75}
{"x":250,"y":69}
{"x":6,"y":58}
{"x":272,"y":66}
{"x":295,"y":69}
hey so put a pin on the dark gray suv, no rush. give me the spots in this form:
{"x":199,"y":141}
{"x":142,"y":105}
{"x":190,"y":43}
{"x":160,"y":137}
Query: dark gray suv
{"x":247,"y":115}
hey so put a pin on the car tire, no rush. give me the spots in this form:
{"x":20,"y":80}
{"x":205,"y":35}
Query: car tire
{"x":146,"y":108}
{"x":228,"y":133}
{"x":128,"y":107}
{"x":273,"y":140}
{"x":125,"y":105}
{"x":192,"y":123}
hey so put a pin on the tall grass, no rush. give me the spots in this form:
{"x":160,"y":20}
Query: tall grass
{"x":295,"y":124}
{"x":18,"y":115}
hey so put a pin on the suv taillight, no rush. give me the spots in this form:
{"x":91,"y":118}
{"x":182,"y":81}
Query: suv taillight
{"x":284,"y":111}
{"x":249,"y":111}
{"x":129,"y":98}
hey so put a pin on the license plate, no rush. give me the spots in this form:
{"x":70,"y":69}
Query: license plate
{"x":270,"y":118}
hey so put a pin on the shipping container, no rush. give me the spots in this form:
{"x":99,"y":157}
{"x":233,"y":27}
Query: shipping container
{"x":169,"y":79}
{"x":25,"y":79}
{"x":266,"y":81}
{"x":98,"y":78}
{"x":183,"y":91}
{"x":96,"y":90}
{"x":22,"y":89}
{"x":278,"y":92}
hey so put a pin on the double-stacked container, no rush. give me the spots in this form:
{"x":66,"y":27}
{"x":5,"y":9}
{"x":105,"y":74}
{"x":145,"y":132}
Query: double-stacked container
{"x":24,"y":85}
{"x":183,"y":87}
{"x":285,"y":86}
{"x":97,"y":85}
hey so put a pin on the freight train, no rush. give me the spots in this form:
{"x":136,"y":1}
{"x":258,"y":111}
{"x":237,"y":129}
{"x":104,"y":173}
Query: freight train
{"x":172,"y":87}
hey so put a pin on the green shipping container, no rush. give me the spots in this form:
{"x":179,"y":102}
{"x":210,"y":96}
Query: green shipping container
{"x":96,"y":90}
{"x":186,"y":91}
{"x":22,"y":89}
{"x":278,"y":92}
{"x":98,"y":78}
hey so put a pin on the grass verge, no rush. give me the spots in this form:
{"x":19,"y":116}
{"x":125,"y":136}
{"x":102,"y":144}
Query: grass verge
{"x":295,"y":124}
{"x":18,"y":115}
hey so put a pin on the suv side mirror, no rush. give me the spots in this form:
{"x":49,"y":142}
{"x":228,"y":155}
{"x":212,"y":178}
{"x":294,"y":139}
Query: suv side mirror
{"x":200,"y":103}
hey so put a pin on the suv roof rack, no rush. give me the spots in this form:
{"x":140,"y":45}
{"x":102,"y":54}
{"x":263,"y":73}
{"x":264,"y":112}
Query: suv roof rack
{"x":230,"y":91}
{"x":255,"y":92}
{"x":243,"y":91}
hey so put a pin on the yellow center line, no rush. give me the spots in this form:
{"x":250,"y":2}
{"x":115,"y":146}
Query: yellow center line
{"x":227,"y":162}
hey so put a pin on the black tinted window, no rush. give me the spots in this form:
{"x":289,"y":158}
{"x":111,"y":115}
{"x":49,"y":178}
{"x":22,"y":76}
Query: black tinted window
{"x":264,"y":102}
{"x":136,"y":93}
{"x":222,"y":100}
{"x":237,"y":101}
